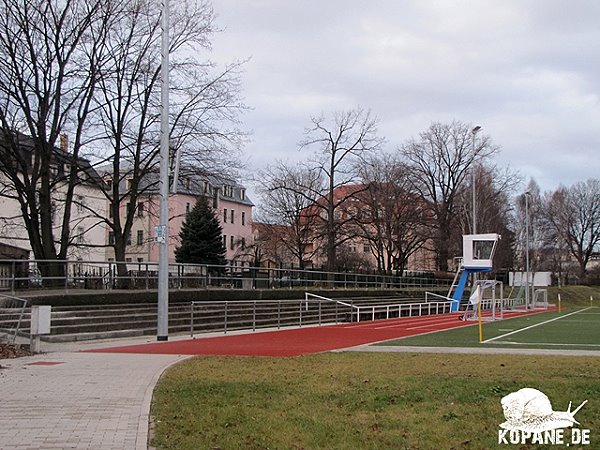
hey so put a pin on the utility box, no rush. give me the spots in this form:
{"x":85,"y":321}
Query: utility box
{"x":40,"y":319}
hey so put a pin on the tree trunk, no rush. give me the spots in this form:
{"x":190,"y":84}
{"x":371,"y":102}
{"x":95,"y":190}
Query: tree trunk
{"x":123,"y":281}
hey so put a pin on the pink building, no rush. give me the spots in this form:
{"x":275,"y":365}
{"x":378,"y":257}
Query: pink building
{"x":232,"y":206}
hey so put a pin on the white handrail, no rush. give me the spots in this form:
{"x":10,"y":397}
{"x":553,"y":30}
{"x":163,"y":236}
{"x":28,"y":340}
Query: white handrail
{"x":433,"y":294}
{"x":307,"y":294}
{"x":445,"y":306}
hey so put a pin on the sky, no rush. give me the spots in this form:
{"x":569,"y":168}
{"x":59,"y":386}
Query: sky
{"x":526,"y":71}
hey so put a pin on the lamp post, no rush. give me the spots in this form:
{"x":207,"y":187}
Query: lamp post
{"x":527,"y":194}
{"x":474,"y":131}
{"x":162,"y":319}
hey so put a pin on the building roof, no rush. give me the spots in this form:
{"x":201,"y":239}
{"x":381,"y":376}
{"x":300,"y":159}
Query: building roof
{"x":190,"y":182}
{"x":60,"y":157}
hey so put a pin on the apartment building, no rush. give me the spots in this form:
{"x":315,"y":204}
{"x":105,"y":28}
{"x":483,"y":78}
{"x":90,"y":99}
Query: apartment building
{"x":227,"y":197}
{"x":355,"y":222}
{"x":87,"y":232}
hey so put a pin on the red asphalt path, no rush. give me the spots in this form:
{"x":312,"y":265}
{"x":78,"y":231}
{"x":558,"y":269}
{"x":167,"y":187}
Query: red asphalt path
{"x":299,"y":341}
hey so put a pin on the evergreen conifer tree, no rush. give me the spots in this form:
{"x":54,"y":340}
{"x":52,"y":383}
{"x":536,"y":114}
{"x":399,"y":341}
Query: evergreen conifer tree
{"x":201,"y":237}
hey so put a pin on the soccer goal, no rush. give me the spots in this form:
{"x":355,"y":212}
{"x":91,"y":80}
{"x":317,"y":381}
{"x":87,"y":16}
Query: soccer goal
{"x":540,"y":299}
{"x":487,"y":301}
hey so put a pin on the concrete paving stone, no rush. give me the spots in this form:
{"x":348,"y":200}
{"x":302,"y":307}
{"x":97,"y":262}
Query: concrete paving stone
{"x":96,"y":401}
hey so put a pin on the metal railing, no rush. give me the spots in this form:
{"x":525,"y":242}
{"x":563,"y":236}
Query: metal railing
{"x":398,"y":310}
{"x":12,"y":310}
{"x":436,"y":297}
{"x":25,"y":274}
{"x":225,"y":316}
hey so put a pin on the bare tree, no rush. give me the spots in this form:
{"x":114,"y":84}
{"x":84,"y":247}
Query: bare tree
{"x":495,"y":188}
{"x":288,"y":199}
{"x":204,"y":104}
{"x":340,"y":144}
{"x":574,"y":216}
{"x":440,"y":160}
{"x":50,"y":56}
{"x":535,"y":243}
{"x":395,"y":220}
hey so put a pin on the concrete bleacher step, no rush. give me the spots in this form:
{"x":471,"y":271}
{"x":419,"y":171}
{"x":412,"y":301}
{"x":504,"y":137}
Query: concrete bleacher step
{"x":76,"y":323}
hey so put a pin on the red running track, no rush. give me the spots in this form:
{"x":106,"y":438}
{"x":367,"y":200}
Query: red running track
{"x":302,"y":341}
{"x":299,"y":341}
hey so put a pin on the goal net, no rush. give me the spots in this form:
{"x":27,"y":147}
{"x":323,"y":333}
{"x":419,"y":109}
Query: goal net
{"x":487,"y":300}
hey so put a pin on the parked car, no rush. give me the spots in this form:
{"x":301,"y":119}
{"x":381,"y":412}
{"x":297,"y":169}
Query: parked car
{"x":35,"y":278}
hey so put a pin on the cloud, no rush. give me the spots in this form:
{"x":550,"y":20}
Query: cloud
{"x":525,"y":70}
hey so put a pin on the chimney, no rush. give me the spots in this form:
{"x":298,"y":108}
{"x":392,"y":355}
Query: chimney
{"x":64,"y":142}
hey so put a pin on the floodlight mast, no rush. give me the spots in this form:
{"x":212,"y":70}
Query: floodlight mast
{"x":162,"y":328}
{"x":527,"y":194}
{"x":474,"y":131}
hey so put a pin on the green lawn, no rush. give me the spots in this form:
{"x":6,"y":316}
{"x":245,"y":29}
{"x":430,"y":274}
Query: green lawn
{"x":381,"y":400}
{"x":571,"y":329}
{"x":360,"y":400}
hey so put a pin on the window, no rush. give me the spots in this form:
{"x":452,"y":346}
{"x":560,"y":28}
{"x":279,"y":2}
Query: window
{"x":243,"y":194}
{"x":366,"y":248}
{"x":140,"y":260}
{"x":243,"y":218}
{"x":80,"y":235}
{"x":140,"y":237}
{"x":224,"y":215}
{"x":140,"y":209}
{"x":483,"y":249}
{"x":129,"y":238}
{"x":243,"y":243}
{"x":129,"y":183}
{"x":225,"y":240}
{"x":111,"y":238}
{"x":232,"y":216}
{"x":206,"y":187}
{"x":231,"y":243}
{"x":80,"y":203}
{"x":187,"y":208}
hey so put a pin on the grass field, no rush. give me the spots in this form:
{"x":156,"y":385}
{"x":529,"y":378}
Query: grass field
{"x":573,"y":329}
{"x":360,"y":400}
{"x":383,"y":400}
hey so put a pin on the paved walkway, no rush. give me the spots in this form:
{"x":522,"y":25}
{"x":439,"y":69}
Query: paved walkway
{"x":66,"y":399}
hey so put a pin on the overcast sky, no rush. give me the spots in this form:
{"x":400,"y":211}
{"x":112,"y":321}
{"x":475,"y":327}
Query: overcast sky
{"x":527,"y":72}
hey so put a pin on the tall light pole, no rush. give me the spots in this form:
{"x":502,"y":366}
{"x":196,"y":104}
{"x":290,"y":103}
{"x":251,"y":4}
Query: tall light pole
{"x":474,"y":131}
{"x":162,"y":326}
{"x":527,"y":194}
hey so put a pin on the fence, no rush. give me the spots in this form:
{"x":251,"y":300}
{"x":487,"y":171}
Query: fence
{"x":225,"y":316}
{"x":12,"y":310}
{"x":228,"y":316}
{"x":23,"y":274}
{"x":402,"y":310}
